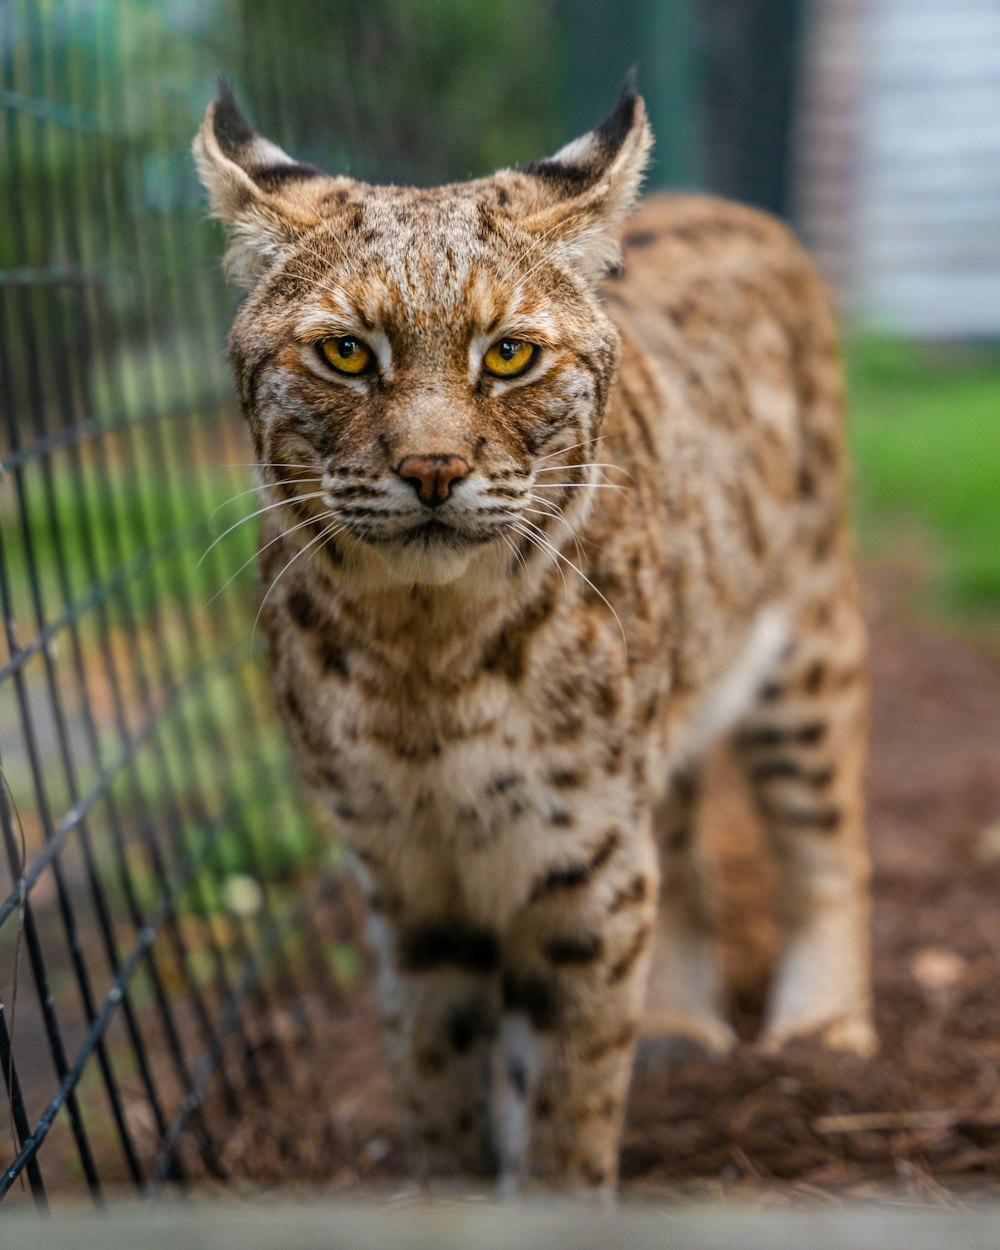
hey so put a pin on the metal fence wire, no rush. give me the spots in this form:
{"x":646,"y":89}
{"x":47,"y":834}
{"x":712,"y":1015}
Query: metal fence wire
{"x":161,"y":886}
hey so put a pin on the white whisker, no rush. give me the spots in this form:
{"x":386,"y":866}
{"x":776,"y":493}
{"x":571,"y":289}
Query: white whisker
{"x":557,"y":516}
{"x":282,"y":503}
{"x":593,"y":464}
{"x":553,"y":510}
{"x":277,"y":539}
{"x":334,"y":527}
{"x":517,"y":555}
{"x":542,"y":546}
{"x":292,"y":481}
{"x":561,"y":556}
{"x":578,"y":486}
{"x":572,"y":447}
{"x":266,"y":464}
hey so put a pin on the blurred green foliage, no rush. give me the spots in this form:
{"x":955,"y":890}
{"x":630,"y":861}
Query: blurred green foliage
{"x":926,"y":433}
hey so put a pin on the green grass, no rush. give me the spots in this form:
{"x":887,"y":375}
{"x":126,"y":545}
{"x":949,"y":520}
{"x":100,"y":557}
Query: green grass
{"x":926,"y":435}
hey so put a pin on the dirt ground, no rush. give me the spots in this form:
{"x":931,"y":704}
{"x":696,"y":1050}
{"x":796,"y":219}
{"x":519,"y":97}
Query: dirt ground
{"x":922,"y":1117}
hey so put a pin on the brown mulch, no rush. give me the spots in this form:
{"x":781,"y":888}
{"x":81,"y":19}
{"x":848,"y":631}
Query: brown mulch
{"x":924,"y":1114}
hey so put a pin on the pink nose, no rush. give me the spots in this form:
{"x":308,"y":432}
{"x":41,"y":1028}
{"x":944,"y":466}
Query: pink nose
{"x":431,"y":476}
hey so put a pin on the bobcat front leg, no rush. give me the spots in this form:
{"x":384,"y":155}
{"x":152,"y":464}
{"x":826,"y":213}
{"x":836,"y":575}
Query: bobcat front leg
{"x":574,"y":973}
{"x":439,"y":1000}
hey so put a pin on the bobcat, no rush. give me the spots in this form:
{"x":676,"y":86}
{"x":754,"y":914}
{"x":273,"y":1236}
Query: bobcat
{"x":551,"y":501}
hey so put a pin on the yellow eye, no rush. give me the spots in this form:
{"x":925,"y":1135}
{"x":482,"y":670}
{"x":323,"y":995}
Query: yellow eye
{"x":346,"y":354}
{"x":508,"y":358}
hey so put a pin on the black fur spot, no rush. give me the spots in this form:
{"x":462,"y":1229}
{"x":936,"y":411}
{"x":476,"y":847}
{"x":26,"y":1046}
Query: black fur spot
{"x":475,"y":950}
{"x":606,"y":699}
{"x":808,"y":734}
{"x":533,"y":995}
{"x":610,"y":843}
{"x":543,"y":1107}
{"x":577,"y":874}
{"x":294,"y":707}
{"x":814,"y":677}
{"x":332,"y":552}
{"x":561,"y":879}
{"x":303,"y":610}
{"x":792,"y":769}
{"x":581,"y":948}
{"x":503,"y":783}
{"x":465,"y":1025}
{"x":332,"y":658}
{"x":823,"y":819}
{"x":565,"y":779}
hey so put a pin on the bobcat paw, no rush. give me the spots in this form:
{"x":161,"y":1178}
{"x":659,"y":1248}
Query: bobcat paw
{"x":847,"y":1035}
{"x":679,"y":1036}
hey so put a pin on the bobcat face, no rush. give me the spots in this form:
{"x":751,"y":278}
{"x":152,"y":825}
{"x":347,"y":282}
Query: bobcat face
{"x":425,"y":372}
{"x":427,"y":448}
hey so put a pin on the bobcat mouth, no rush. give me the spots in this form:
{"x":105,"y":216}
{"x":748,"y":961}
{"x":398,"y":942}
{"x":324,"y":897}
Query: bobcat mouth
{"x":436,"y":534}
{"x":430,"y":533}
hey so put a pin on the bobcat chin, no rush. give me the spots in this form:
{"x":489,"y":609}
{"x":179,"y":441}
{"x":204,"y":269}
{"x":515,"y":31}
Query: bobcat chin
{"x":554,"y":490}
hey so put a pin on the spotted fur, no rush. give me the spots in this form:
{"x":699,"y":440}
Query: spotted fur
{"x":502,"y":701}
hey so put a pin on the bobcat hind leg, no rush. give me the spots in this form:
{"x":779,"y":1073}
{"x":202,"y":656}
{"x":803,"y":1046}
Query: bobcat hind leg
{"x":685,"y":999}
{"x":803,"y":747}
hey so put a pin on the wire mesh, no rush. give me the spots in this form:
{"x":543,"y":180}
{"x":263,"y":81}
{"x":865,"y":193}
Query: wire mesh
{"x":161,"y":881}
{"x":144,"y":783}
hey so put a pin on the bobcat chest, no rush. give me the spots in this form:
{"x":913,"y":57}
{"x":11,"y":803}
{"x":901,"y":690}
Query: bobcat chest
{"x":457,"y":804}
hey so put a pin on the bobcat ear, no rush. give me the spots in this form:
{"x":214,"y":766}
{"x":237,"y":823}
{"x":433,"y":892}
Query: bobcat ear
{"x":253,"y":186}
{"x":578,"y":197}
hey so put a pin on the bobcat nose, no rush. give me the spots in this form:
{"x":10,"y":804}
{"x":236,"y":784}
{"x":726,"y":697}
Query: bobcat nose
{"x":431,"y":476}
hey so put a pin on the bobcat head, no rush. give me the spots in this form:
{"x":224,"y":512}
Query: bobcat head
{"x":424,"y":372}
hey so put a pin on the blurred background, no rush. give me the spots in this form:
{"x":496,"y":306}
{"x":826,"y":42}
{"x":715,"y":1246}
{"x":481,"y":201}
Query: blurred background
{"x":164,"y":891}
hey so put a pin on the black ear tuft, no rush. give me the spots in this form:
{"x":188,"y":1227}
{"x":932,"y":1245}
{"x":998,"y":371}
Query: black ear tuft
{"x":611,"y":132}
{"x":578,"y":197}
{"x":581,"y":163}
{"x":232,"y":130}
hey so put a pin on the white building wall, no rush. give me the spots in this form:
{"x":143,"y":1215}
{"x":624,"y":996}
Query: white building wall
{"x":899,"y":161}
